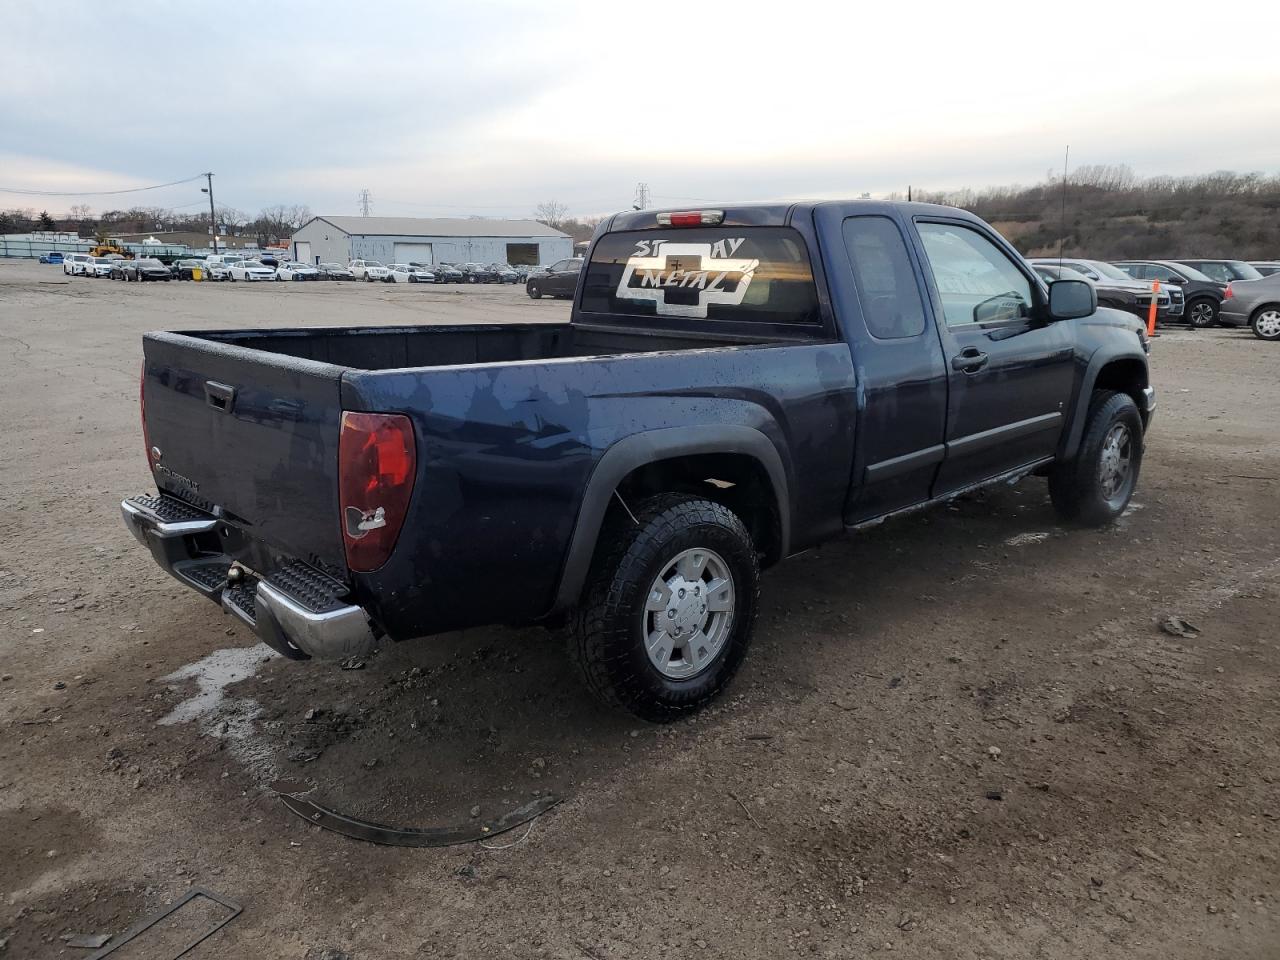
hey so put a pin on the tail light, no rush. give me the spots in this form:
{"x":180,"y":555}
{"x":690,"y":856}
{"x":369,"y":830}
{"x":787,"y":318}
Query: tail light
{"x":142,"y":412}
{"x":376,"y":465}
{"x":1227,"y":294}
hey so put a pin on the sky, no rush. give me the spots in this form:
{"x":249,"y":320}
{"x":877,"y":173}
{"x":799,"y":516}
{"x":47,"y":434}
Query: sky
{"x":490,"y":108}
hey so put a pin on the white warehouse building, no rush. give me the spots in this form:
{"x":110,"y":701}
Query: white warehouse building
{"x":419,"y":240}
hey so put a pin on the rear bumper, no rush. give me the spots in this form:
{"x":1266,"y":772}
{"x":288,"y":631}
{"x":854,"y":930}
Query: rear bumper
{"x":1229,"y":316}
{"x":297,"y":610}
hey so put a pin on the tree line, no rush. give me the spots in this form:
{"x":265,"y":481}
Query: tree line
{"x":271,"y":225}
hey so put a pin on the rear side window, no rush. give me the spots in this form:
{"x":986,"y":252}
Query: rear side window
{"x":745,"y":274}
{"x":887,"y":288}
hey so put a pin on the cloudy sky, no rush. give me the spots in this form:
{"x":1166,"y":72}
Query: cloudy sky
{"x":489,"y":108}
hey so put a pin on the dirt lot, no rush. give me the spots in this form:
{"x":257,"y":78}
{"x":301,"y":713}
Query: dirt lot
{"x":958,"y":735}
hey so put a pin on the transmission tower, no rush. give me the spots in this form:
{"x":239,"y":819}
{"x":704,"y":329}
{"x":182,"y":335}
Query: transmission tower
{"x":366,"y":203}
{"x":642,"y":196}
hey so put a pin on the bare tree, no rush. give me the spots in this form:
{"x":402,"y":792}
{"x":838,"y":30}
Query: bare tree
{"x":81,"y":212}
{"x":280,"y":221}
{"x":551,"y":212}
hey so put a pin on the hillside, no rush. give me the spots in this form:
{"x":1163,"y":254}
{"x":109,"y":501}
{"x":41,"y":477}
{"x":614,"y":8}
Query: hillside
{"x":1111,"y":214}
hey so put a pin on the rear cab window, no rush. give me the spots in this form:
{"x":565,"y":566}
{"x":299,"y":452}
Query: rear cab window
{"x":742,"y":274}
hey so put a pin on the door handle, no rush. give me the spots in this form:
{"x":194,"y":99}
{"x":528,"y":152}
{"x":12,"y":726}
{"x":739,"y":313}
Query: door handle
{"x":970,"y":360}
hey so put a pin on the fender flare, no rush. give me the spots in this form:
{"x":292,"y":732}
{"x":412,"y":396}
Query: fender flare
{"x":652,"y":446}
{"x":1100,"y":359}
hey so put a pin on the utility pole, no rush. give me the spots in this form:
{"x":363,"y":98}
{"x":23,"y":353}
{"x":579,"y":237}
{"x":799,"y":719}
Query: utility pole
{"x":642,"y":197}
{"x":213,"y":217}
{"x":365,"y":203}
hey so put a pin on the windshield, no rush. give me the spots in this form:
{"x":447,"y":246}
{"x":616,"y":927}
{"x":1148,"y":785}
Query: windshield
{"x":372,"y":263}
{"x":1107,"y":270}
{"x":752,"y":274}
{"x":149,"y":262}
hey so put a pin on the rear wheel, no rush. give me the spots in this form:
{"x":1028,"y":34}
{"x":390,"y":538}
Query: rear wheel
{"x":1266,"y":323}
{"x":534,"y":291}
{"x":1097,"y":485}
{"x":666,"y":618}
{"x":1202,"y":313}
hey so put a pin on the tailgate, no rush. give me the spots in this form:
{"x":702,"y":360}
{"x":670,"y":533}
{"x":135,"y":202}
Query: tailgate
{"x":252,"y":433}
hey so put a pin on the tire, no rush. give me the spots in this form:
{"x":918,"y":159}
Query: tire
{"x":368,"y":279}
{"x":1112,"y":429}
{"x":534,"y":291}
{"x":610,"y":628}
{"x":1266,"y":322}
{"x":1202,"y":313}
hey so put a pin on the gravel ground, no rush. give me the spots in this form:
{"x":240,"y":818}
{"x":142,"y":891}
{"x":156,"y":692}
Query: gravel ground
{"x":958,"y":735}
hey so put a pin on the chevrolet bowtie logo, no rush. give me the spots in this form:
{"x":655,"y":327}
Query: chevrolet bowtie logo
{"x":684,"y":279}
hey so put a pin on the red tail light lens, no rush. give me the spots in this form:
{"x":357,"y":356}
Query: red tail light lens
{"x":376,"y":469}
{"x":1227,"y":295}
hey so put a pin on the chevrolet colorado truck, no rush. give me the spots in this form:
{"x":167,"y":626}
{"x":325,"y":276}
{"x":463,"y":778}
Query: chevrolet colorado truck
{"x":733,"y":386}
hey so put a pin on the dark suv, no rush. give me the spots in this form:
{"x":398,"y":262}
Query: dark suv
{"x":557,"y":280}
{"x":1117,"y":289}
{"x":1203,"y":294}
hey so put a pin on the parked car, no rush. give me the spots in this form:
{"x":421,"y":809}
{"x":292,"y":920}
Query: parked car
{"x":369,"y":270}
{"x":1203,"y":294}
{"x":335,"y":271}
{"x":447,"y":273}
{"x":409,"y":273}
{"x":1116,"y":288}
{"x":506,"y":274}
{"x":53,"y":256}
{"x":1266,"y":267}
{"x":1224,"y":271}
{"x":478,"y":273}
{"x":272,"y":260}
{"x":216,"y":270}
{"x":185,"y":269}
{"x":251,"y":270}
{"x":292,"y":270}
{"x":74,"y":264}
{"x":557,"y":280}
{"x":715,"y":403}
{"x":1256,"y":304}
{"x":146,"y":268}
{"x":100,"y":266}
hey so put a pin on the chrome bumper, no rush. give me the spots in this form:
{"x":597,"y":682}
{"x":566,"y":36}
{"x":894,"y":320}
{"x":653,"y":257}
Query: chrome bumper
{"x":184,"y":543}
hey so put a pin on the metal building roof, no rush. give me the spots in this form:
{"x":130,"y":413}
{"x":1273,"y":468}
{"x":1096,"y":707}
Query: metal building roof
{"x":440,"y":227}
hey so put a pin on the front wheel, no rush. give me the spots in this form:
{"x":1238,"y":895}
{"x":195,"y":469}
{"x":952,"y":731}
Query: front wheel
{"x":1266,"y":323}
{"x":1097,"y":485}
{"x":1202,"y":313}
{"x":667,"y":615}
{"x":534,"y":291}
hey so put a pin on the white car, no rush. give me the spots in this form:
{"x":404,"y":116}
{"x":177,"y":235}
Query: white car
{"x":251,"y":270}
{"x":99,"y":266}
{"x":292,"y":270}
{"x":215,"y":270}
{"x":74,"y":263}
{"x":408,"y":273}
{"x":369,"y":270}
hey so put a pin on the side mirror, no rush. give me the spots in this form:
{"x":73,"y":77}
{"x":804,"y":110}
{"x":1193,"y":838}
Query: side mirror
{"x":1071,"y":299}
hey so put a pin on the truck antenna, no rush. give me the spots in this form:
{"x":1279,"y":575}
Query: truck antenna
{"x":1063,"y":235}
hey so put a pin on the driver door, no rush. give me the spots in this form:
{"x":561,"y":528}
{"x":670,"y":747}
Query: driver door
{"x":1010,"y":374}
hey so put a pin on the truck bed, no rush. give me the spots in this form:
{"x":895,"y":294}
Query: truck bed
{"x":394,"y":348}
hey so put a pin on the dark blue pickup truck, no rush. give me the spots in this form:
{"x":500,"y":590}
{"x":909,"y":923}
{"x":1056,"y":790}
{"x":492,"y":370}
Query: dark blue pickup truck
{"x":734,"y":385}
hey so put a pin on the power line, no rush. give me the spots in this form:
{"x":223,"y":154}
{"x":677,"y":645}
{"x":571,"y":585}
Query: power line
{"x":97,"y":193}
